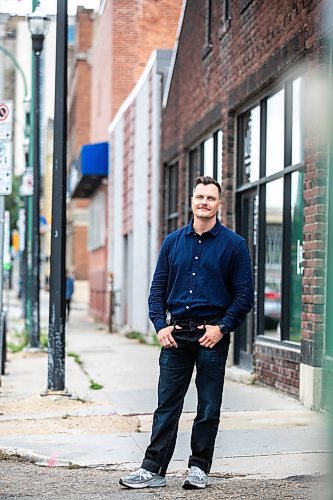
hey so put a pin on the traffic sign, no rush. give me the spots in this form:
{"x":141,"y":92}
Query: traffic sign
{"x":6,"y":165}
{"x":6,"y":120}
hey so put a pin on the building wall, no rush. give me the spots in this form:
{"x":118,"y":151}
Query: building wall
{"x":210,"y":85}
{"x":125,"y":34}
{"x":79,"y":126}
{"x":99,"y":294}
{"x":134,"y":195}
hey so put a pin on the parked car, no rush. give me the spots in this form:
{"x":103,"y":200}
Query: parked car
{"x":272,"y":308}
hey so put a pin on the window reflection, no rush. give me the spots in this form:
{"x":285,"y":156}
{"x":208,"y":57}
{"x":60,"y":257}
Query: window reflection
{"x":219,"y":156}
{"x":209,"y":157}
{"x":296,"y":256}
{"x":273,"y":258}
{"x":275,"y":133}
{"x":297,"y":127}
{"x":251,"y":144}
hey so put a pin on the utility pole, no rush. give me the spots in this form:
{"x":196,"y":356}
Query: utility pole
{"x":57,"y":314}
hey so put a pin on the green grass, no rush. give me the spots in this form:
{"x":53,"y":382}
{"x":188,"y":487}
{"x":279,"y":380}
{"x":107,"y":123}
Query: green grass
{"x":93,"y":385}
{"x":19,"y":340}
{"x":143,"y":339}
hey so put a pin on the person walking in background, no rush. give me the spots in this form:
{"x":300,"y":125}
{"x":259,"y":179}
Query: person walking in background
{"x":69,"y":293}
{"x":203,"y":279}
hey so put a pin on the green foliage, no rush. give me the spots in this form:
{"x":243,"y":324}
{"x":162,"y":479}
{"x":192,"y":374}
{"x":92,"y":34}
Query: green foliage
{"x":13,"y":202}
{"x":44,"y":340}
{"x":136,"y":336}
{"x":95,"y":386}
{"x":77,"y":358}
{"x":18,"y":341}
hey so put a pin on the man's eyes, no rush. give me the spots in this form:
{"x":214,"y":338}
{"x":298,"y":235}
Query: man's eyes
{"x":210,"y":198}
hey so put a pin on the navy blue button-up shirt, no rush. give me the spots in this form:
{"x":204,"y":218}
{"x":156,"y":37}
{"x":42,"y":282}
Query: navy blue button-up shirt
{"x":199,"y":277}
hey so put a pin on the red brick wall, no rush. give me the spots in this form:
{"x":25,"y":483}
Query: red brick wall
{"x":79,"y":132}
{"x":126,"y":34}
{"x":258,"y":46}
{"x":101,"y":84}
{"x":80,"y":254}
{"x":261,"y":42}
{"x":79,"y":87}
{"x":278,"y":368}
{"x":129,"y":121}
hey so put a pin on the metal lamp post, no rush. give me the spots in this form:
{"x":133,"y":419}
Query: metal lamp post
{"x":38,"y":26}
{"x":24,"y":274}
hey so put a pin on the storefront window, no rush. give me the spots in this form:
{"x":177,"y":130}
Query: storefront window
{"x":205,"y":159}
{"x":251,"y":145}
{"x":209,"y":157}
{"x":275,"y":133}
{"x":273,"y":258}
{"x":296,"y":260}
{"x":297,"y":128}
{"x":278,"y":245}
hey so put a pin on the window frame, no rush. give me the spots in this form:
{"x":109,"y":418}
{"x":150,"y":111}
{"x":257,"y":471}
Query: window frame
{"x":171,"y":218}
{"x":260,"y":185}
{"x":198,"y":148}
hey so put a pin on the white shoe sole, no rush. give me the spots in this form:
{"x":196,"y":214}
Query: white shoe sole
{"x":154,"y":483}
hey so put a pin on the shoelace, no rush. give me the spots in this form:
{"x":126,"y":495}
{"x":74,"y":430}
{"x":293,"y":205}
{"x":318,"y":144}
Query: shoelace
{"x":143,"y":474}
{"x":196,"y":471}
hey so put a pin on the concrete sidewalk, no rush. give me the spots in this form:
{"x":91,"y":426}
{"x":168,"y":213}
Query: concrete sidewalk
{"x":262,"y":433}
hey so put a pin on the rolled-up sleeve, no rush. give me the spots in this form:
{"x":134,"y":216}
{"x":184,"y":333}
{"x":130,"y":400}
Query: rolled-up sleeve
{"x":157,"y":301}
{"x":241,"y":287}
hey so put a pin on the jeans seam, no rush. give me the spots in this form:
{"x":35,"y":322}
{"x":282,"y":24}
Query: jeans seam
{"x":176,"y":423}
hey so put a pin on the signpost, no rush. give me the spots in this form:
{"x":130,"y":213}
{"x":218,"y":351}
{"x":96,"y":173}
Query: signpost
{"x":6,"y":165}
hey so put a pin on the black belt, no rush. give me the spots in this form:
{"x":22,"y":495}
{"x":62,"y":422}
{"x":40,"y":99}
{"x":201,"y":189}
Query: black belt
{"x":192,"y":323}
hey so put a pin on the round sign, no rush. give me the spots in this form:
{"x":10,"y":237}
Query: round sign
{"x":4,"y":112}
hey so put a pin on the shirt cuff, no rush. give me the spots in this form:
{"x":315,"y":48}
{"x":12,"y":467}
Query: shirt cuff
{"x":159,"y":324}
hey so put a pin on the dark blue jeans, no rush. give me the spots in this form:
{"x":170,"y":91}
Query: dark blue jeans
{"x":176,"y":368}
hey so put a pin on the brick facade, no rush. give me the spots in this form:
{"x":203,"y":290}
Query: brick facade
{"x":78,"y":134}
{"x":126,"y":32}
{"x":260,"y":44}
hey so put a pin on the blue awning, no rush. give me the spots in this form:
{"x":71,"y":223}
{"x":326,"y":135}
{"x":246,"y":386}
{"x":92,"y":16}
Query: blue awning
{"x":91,"y":168}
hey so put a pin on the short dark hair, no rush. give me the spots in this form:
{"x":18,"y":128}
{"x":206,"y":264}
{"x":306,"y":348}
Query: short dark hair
{"x":205,"y":179}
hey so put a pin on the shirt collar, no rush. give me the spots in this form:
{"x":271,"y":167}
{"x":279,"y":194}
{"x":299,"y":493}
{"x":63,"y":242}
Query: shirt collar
{"x":213,"y":232}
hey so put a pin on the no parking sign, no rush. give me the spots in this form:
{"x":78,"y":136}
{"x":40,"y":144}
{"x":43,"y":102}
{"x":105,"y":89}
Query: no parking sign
{"x":6,"y":120}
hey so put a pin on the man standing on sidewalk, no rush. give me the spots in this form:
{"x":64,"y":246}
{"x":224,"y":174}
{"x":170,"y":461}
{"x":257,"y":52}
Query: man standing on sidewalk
{"x":203,"y":278}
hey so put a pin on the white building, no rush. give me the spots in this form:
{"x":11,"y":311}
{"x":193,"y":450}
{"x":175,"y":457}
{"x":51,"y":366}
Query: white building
{"x":134,"y":195}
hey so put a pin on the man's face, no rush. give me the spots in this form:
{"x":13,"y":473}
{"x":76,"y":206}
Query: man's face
{"x":205,"y":201}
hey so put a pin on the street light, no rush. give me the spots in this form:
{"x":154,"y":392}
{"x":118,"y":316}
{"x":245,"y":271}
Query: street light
{"x":38,"y":26}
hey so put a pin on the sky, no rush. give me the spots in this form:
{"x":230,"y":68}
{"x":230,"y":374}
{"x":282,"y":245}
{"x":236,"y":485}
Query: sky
{"x":24,"y":7}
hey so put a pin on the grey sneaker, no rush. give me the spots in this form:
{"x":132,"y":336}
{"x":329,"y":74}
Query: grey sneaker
{"x":142,"y":478}
{"x":196,"y":478}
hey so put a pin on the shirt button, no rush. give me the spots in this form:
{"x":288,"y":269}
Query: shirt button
{"x":193,"y":274}
{"x":187,"y":307}
{"x":199,"y":241}
{"x":190,"y":291}
{"x":196,"y":257}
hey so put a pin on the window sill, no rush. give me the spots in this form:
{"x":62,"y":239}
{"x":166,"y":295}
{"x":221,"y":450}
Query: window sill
{"x":206,"y":50}
{"x":279,"y":344}
{"x":224,"y":28}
